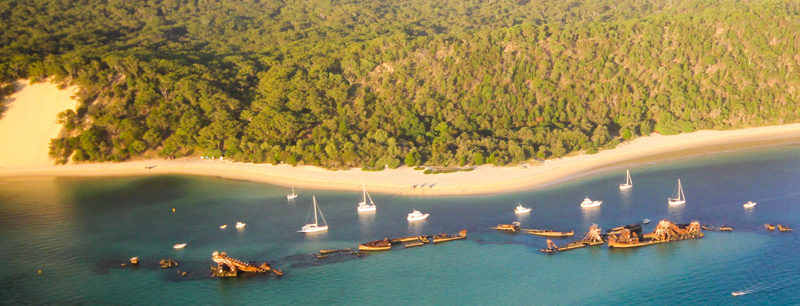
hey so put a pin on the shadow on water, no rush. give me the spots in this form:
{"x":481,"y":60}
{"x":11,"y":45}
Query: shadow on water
{"x":157,"y":190}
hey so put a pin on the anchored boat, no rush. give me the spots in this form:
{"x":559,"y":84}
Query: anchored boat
{"x":628,"y":182}
{"x":679,"y":198}
{"x":589,"y":203}
{"x":315,"y":227}
{"x":521,"y":209}
{"x":365,"y":206}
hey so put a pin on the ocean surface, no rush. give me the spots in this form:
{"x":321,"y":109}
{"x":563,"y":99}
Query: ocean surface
{"x":78,"y":231}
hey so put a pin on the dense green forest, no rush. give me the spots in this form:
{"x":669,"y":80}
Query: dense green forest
{"x":365,"y":83}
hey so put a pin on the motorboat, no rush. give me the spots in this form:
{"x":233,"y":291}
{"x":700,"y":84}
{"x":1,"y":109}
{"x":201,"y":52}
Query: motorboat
{"x":645,"y":221}
{"x":240,"y":225}
{"x":522,"y":209}
{"x":749,"y":204}
{"x":179,"y":246}
{"x":224,"y":226}
{"x":416,"y":215}
{"x":589,"y":203}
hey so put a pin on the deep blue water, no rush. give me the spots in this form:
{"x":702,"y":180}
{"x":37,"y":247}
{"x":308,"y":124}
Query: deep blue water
{"x":79,"y":230}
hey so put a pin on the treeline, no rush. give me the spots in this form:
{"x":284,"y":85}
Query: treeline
{"x":366,"y":83}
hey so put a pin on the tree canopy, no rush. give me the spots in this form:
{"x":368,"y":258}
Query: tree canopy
{"x":366,"y":83}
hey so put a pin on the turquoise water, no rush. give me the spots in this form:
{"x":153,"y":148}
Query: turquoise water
{"x":79,"y":230}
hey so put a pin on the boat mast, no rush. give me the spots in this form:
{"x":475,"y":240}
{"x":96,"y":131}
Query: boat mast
{"x":681,"y":196}
{"x":315,"y":210}
{"x":629,"y":181}
{"x":370,"y":198}
{"x":365,"y":193}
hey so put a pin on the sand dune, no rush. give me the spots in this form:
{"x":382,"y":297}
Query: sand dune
{"x":404,"y":180}
{"x":29,"y":123}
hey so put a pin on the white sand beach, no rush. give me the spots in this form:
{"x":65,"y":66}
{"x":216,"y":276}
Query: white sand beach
{"x":29,"y":123}
{"x":404,"y":180}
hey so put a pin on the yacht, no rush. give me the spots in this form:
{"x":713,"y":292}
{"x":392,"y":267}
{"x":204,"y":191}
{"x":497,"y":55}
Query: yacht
{"x":417,"y":215}
{"x":365,"y":206}
{"x":749,"y":204}
{"x":291,"y":196}
{"x":679,"y":198}
{"x":315,"y":227}
{"x":628,"y":182}
{"x":587,"y":202}
{"x":240,"y":225}
{"x":522,"y":209}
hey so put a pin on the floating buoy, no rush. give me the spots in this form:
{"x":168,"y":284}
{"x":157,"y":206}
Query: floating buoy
{"x":40,"y":272}
{"x":173,"y":210}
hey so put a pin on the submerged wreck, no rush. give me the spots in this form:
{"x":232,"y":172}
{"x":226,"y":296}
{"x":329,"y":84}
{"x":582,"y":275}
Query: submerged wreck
{"x":231,"y":267}
{"x":447,"y":237}
{"x":630,"y":236}
{"x":592,"y":238}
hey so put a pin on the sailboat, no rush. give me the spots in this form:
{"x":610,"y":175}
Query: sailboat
{"x":363,"y":206}
{"x":315,"y":227}
{"x":628,"y":182}
{"x":291,"y":196}
{"x":679,"y":198}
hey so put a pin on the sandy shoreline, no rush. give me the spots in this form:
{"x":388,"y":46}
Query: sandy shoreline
{"x":483,"y":180}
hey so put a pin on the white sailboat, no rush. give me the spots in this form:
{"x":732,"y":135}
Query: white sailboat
{"x":628,"y":182}
{"x":315,"y":227}
{"x":365,"y":206}
{"x":291,"y":196}
{"x":679,"y":197}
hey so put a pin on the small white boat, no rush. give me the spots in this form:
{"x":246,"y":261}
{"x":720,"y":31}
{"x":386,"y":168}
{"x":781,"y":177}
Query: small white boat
{"x":292,"y":195}
{"x":749,"y":204}
{"x":416,"y":215}
{"x":315,"y":227}
{"x":224,"y":226}
{"x":628,"y":182}
{"x":589,"y":203}
{"x":240,"y":225}
{"x":738,"y":293}
{"x":679,"y":198}
{"x":365,"y":206}
{"x":522,"y":209}
{"x":179,"y":246}
{"x":645,"y":221}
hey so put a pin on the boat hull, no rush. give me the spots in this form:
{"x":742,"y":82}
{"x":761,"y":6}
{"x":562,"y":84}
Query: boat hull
{"x":625,"y":186}
{"x":317,"y":229}
{"x":366,"y":208}
{"x":362,"y":247}
{"x":551,"y":233}
{"x":673,"y":202}
{"x":423,"y":217}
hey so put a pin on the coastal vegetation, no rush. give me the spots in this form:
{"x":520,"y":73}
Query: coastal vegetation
{"x":376,"y":83}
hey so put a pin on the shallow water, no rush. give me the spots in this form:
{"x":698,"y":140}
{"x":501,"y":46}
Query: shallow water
{"x":79,"y":230}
